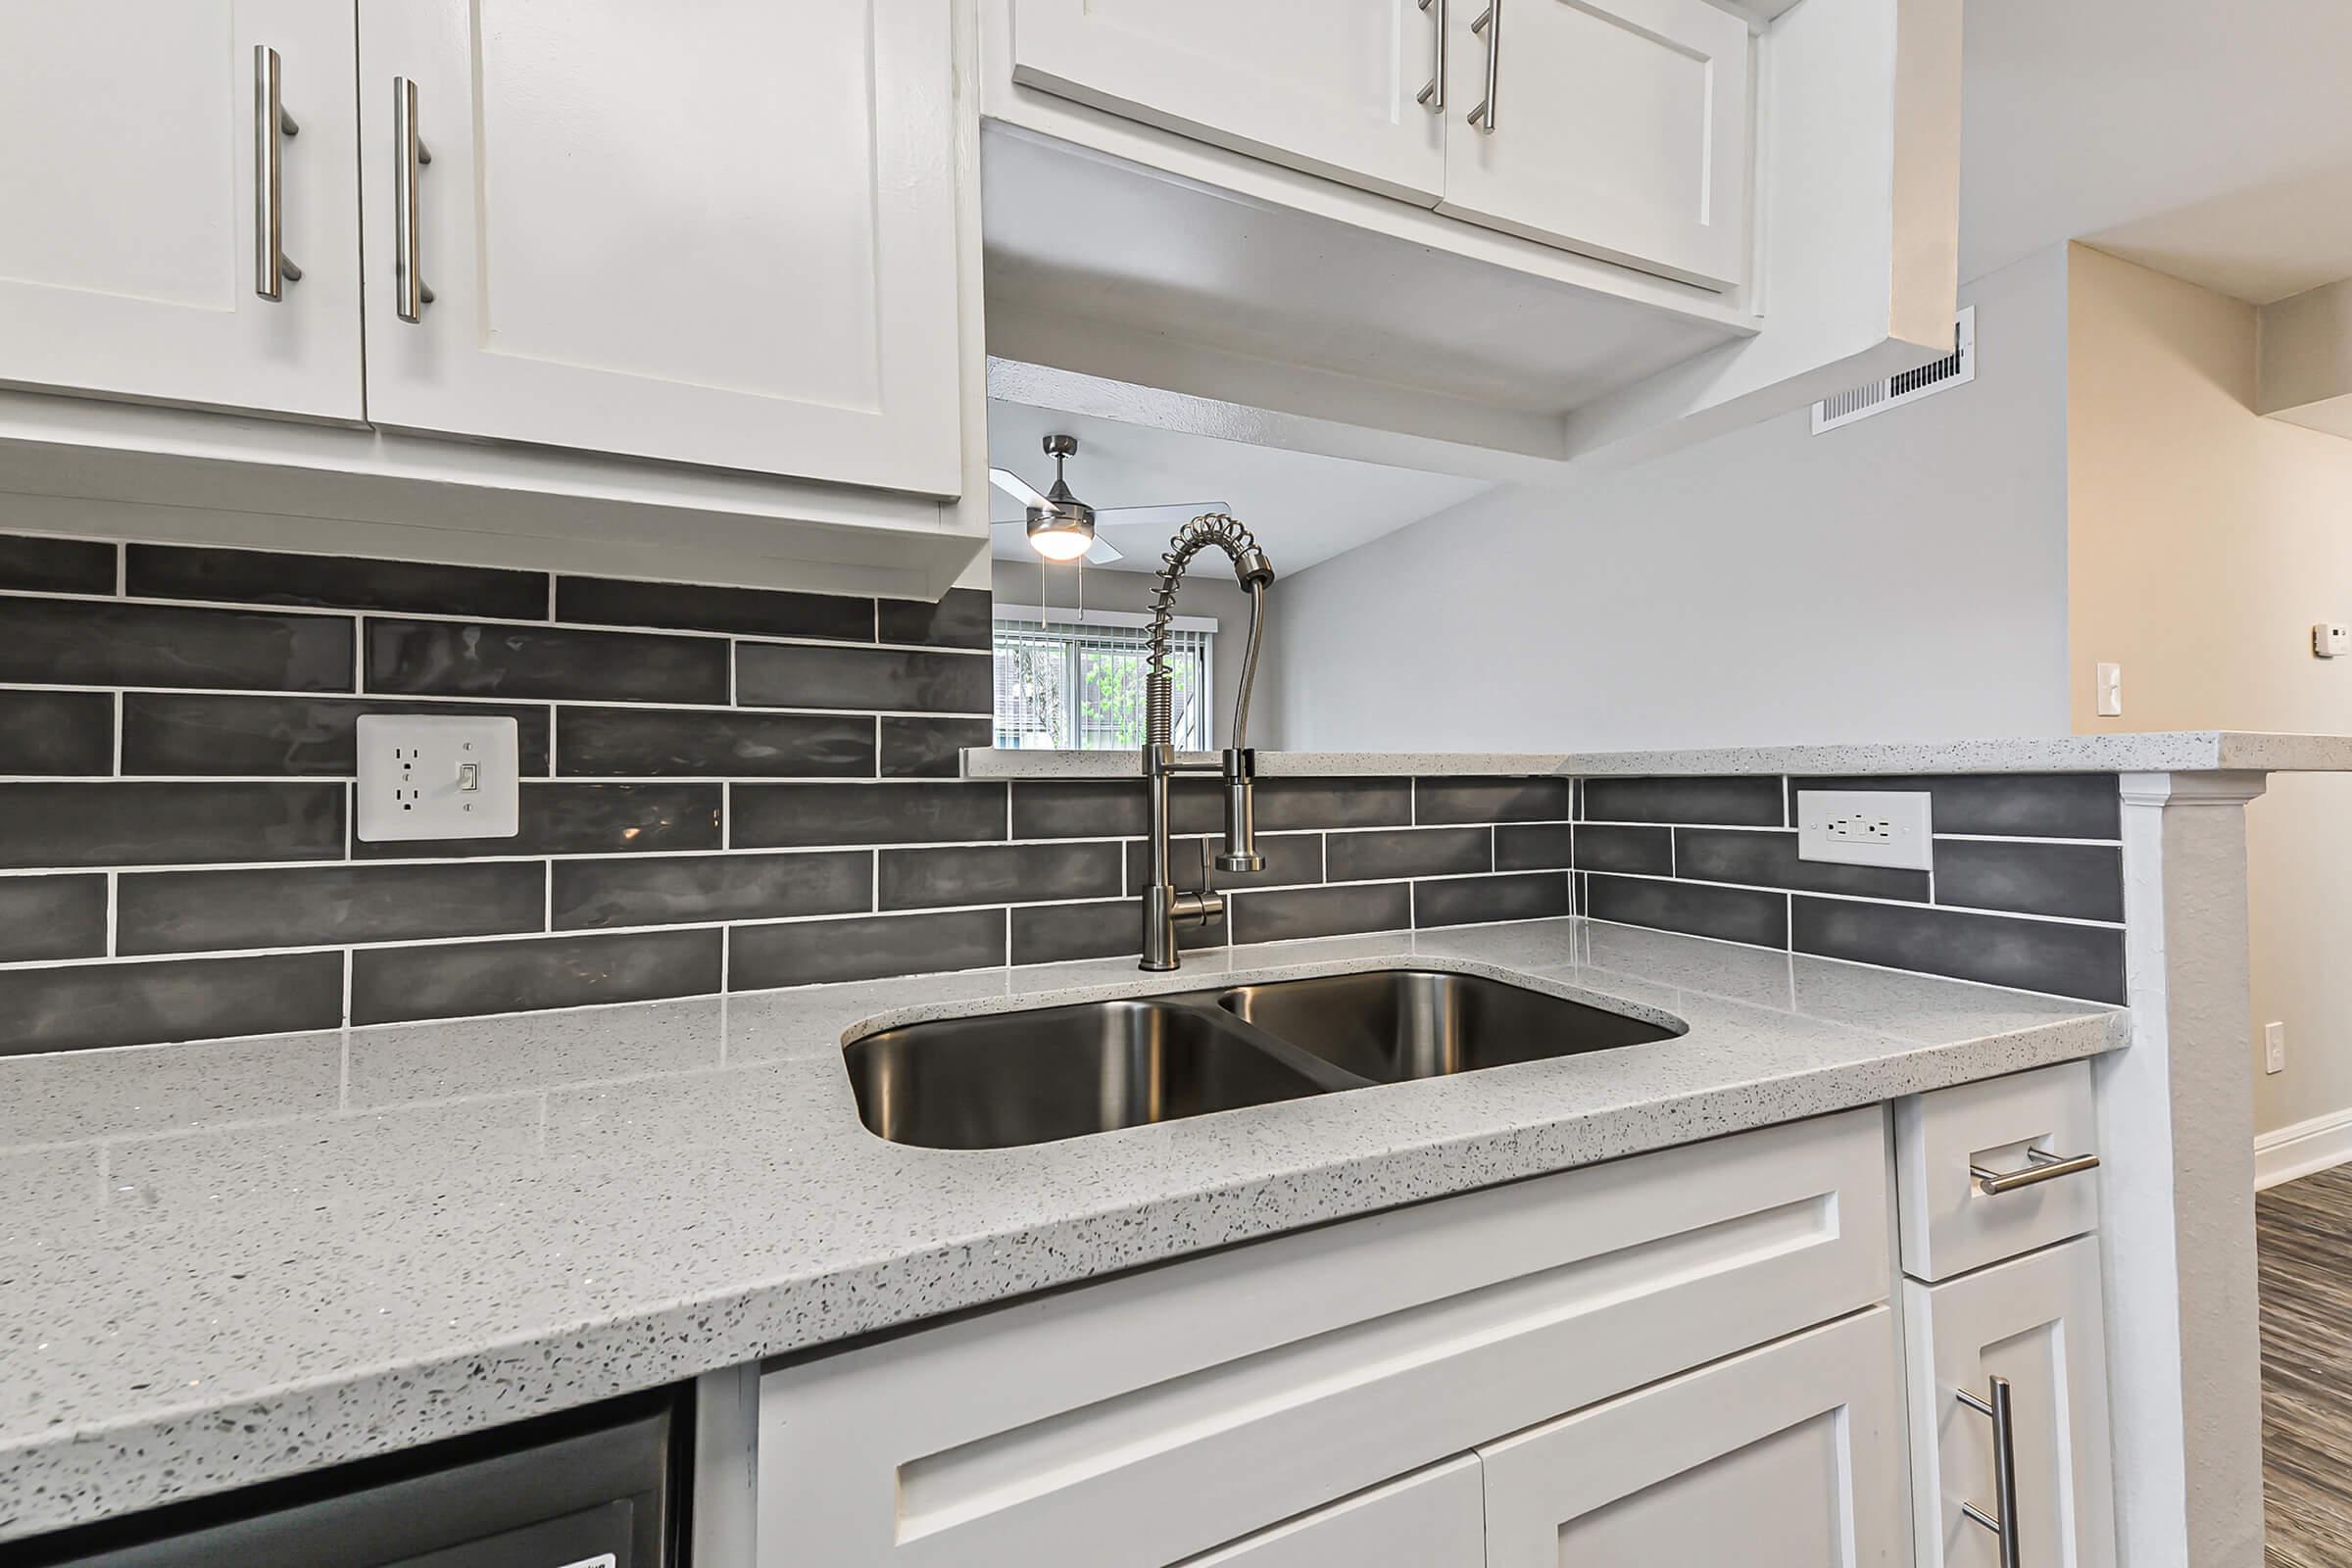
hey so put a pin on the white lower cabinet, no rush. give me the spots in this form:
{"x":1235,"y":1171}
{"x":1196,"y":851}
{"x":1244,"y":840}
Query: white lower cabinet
{"x":2035,"y":1323}
{"x":1790,"y":1455}
{"x":1432,"y":1518}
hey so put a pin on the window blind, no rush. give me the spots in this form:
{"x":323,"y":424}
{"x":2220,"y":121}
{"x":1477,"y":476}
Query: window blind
{"x":1077,"y":686}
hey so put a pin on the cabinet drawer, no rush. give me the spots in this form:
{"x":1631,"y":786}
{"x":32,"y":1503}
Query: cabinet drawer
{"x":2034,"y":1321}
{"x":2006,"y":1125}
{"x":1434,"y":1518}
{"x":1788,"y":1454}
{"x":1139,"y":1420}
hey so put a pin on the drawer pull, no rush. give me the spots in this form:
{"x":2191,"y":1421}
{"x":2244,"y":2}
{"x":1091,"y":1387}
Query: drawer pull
{"x":1490,"y":26}
{"x":1433,"y":96}
{"x":2039,"y":1167}
{"x":2003,"y":1525}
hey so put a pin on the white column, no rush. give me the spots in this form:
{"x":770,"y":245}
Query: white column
{"x":2177,"y":1132}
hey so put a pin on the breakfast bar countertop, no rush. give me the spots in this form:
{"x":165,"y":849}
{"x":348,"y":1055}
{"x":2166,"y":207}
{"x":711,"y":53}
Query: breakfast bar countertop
{"x":231,"y":1261}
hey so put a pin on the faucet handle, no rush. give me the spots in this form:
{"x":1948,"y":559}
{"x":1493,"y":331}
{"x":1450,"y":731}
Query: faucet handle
{"x":1241,"y":813}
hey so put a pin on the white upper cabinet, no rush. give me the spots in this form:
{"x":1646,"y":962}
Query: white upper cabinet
{"x":1617,"y":127}
{"x":1350,"y":89}
{"x":720,"y":234}
{"x":132,"y":231}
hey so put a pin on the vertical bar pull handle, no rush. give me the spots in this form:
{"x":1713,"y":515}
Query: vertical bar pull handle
{"x":2003,"y":1524}
{"x":409,"y":296}
{"x":271,"y":270}
{"x":1490,"y":25}
{"x":1433,"y":96}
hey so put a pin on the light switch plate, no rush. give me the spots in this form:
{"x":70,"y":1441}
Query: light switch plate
{"x":1866,"y":827}
{"x":433,"y":776}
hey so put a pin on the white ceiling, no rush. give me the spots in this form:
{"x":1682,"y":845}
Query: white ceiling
{"x":2211,"y":139}
{"x":1303,"y":507}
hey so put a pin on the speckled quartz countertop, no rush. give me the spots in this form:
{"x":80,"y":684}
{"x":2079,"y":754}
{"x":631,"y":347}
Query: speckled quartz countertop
{"x":231,"y":1261}
{"x":2153,"y":752}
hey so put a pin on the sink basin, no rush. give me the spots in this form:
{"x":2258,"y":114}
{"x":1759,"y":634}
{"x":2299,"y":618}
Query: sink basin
{"x":1388,"y":1025}
{"x":1013,"y":1078}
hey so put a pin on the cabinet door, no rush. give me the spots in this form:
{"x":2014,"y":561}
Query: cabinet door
{"x":721,"y":233}
{"x":130,"y":226}
{"x":1619,"y":127}
{"x":1433,"y":1518}
{"x":2036,"y":1321}
{"x":1330,"y":87}
{"x":1789,"y":1456}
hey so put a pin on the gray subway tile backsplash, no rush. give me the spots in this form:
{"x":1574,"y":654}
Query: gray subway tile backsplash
{"x":2055,"y":806}
{"x":696,"y":795}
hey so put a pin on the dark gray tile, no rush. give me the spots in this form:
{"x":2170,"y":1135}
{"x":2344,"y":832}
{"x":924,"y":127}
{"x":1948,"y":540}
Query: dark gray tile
{"x":1736,"y":802}
{"x":33,"y":565}
{"x":694,"y":606}
{"x":465,"y":658}
{"x":57,"y":732}
{"x":2069,"y":961}
{"x":1290,"y":859}
{"x":189,"y":734}
{"x":930,"y":748}
{"x":960,"y":619}
{"x":76,"y":642}
{"x":43,"y":918}
{"x":83,"y":1006}
{"x":1769,"y":859}
{"x":639,"y":890}
{"x":895,"y":679}
{"x":806,"y":953}
{"x":168,"y":824}
{"x":567,"y":818}
{"x":2044,"y":805}
{"x":713,"y":743}
{"x":1286,"y":914}
{"x":211,"y":911}
{"x":785,"y":816}
{"x":1379,"y":855}
{"x":1642,"y":851}
{"x":1730,"y":914}
{"x":1538,"y":847}
{"x":998,"y":873}
{"x":1493,"y":800}
{"x":2082,"y":880}
{"x":1063,"y":933}
{"x":333,"y":582}
{"x":1116,"y":807}
{"x":456,"y":980}
{"x":1305,"y":802}
{"x":1473,"y":900}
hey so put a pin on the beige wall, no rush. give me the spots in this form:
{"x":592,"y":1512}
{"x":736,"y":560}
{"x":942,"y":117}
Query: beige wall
{"x":2203,"y":541}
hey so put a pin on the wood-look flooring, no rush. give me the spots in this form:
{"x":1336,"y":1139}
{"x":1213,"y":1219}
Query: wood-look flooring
{"x":2304,"y":1233}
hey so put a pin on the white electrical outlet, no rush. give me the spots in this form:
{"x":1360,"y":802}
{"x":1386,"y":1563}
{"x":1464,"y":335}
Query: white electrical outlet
{"x":429,"y":777}
{"x":2274,"y":1047}
{"x":1866,"y":827}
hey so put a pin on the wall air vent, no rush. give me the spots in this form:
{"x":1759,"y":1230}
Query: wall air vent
{"x":1955,"y":368}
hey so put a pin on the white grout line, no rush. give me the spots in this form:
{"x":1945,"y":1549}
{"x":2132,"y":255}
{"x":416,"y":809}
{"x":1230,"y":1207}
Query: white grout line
{"x":1864,"y":897}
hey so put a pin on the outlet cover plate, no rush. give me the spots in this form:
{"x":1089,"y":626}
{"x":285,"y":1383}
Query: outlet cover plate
{"x":1866,"y":827}
{"x":415,"y":779}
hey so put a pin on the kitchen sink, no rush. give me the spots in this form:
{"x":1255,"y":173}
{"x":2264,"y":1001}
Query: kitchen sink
{"x":1388,"y":1025}
{"x":1011,"y":1078}
{"x":1004,"y":1079}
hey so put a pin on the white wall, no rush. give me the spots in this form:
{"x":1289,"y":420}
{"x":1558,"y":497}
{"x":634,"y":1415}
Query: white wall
{"x":1900,"y":579}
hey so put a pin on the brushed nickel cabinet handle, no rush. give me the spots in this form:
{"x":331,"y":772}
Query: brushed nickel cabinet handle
{"x":2039,"y":1168}
{"x":1490,"y":25}
{"x":2003,"y":1524}
{"x":272,"y":270}
{"x":1433,"y":96}
{"x":409,"y":296}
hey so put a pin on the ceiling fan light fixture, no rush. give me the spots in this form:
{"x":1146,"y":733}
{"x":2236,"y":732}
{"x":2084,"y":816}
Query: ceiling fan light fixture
{"x":1062,"y":528}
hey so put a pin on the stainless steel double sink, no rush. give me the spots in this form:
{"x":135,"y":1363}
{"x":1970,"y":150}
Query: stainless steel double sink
{"x":1005,"y":1079}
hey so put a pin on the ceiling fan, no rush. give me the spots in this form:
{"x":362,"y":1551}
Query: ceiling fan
{"x":1062,"y":528}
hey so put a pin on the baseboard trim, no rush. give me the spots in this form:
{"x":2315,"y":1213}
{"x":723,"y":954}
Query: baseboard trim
{"x":2302,"y":1150}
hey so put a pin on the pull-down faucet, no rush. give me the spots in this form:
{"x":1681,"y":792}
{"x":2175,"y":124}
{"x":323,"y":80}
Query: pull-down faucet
{"x":1166,"y":908}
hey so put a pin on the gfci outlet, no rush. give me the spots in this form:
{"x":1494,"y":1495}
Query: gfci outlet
{"x":437,"y":778}
{"x":1866,"y":827}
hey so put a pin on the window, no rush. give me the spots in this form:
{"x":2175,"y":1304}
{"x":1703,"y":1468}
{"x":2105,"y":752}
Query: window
{"x":1078,"y":685}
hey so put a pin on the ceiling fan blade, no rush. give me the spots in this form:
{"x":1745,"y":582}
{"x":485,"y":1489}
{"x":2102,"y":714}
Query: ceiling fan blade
{"x":1169,"y":514}
{"x":1101,"y":553}
{"x":1013,"y":485}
